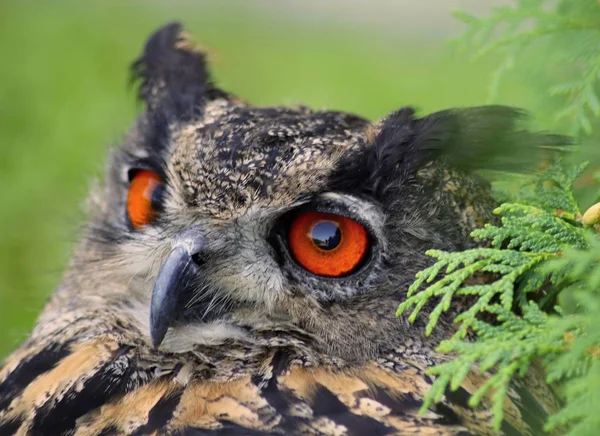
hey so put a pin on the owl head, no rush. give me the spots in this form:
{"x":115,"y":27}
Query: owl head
{"x":218,"y":221}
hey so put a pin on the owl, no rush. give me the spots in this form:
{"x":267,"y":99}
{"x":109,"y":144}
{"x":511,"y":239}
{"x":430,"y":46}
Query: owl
{"x":241,"y":266}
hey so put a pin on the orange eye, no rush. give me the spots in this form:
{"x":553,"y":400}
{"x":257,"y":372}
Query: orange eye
{"x":142,"y":200}
{"x":327,"y":244}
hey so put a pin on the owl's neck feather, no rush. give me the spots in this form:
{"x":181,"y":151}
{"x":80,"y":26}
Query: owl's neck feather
{"x":236,"y":337}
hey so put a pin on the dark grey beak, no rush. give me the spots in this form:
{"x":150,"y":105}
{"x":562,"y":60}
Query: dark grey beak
{"x":175,"y":275}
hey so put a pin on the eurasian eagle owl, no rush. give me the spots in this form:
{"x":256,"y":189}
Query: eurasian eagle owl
{"x":241,"y":267}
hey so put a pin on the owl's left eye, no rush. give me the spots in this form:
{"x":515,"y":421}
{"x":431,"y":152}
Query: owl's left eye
{"x":143,"y":198}
{"x":327,"y":244}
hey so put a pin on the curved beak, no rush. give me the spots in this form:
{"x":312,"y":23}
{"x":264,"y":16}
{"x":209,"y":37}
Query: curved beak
{"x":176,"y":272}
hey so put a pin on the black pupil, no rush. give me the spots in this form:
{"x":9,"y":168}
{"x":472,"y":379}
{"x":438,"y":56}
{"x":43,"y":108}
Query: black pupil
{"x":326,"y":235}
{"x":156,"y":200}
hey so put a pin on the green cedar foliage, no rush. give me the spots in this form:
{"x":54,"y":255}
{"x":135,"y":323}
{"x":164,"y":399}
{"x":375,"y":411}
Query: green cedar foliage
{"x":541,"y":253}
{"x":564,"y":34}
{"x":540,"y":301}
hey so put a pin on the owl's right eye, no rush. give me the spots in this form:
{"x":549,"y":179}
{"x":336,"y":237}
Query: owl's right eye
{"x":327,"y":244}
{"x":143,"y":198}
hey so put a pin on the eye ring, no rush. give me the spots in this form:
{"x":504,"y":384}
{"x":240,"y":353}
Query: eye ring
{"x":143,"y":198}
{"x":327,"y":244}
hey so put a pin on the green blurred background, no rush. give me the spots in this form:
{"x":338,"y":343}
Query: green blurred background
{"x":64,"y":97}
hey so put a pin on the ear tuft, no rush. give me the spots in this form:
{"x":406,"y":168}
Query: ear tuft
{"x":467,"y":139}
{"x":487,"y":138}
{"x":171,"y":71}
